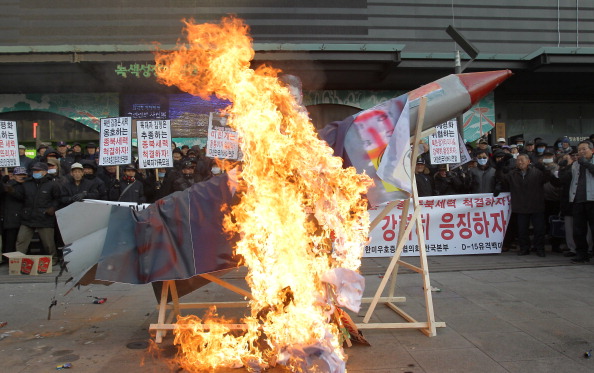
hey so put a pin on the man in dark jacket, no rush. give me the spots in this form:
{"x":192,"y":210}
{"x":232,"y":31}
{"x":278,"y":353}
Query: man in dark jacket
{"x":90,"y":171}
{"x":129,"y":189}
{"x":12,"y":209}
{"x":91,"y":152}
{"x":189,"y":176}
{"x":525,"y":184}
{"x":424,"y":181}
{"x":483,"y":175}
{"x":446,"y":182}
{"x":77,"y":187}
{"x":41,"y":198}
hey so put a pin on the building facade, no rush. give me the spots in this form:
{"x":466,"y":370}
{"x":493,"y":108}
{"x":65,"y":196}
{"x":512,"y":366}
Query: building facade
{"x":64,"y":65}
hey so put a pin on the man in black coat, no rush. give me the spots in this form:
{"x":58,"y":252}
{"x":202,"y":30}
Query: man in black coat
{"x":90,"y":171}
{"x":424,"y":181}
{"x":41,"y":198}
{"x":526,"y":186}
{"x":12,"y":209}
{"x":446,"y":182}
{"x":77,"y":187}
{"x":188,"y":178}
{"x":129,"y":189}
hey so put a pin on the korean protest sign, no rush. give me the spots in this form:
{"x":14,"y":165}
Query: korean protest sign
{"x":9,"y":144}
{"x":443,"y":144}
{"x":115,"y":141}
{"x":222,"y":141}
{"x":452,"y":224}
{"x":464,"y":155}
{"x":154,"y":143}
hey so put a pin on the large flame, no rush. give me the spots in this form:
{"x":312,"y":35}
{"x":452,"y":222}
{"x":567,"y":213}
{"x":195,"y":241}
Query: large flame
{"x":300,"y":216}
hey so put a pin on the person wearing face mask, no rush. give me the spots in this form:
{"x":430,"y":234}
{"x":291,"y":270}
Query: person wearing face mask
{"x":41,"y":197}
{"x":155,"y":187}
{"x":64,"y":167}
{"x":189,"y":176}
{"x":541,"y":147}
{"x":54,"y":170}
{"x":90,"y":173}
{"x":483,"y":175}
{"x":519,"y":143}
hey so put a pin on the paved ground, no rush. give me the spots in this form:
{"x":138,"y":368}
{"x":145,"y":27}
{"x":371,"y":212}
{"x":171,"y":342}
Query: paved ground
{"x":504,"y":313}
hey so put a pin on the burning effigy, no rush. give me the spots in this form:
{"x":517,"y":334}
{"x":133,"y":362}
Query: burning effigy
{"x":302,"y":218}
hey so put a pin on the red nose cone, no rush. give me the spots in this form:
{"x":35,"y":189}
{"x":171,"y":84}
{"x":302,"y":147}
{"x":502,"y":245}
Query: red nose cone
{"x":480,"y":84}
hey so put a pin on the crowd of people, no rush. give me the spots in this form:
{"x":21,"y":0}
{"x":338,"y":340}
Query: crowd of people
{"x":548,"y":183}
{"x":58,"y":176}
{"x":551,"y":188}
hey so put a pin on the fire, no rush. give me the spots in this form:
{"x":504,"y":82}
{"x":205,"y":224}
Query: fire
{"x":300,"y":216}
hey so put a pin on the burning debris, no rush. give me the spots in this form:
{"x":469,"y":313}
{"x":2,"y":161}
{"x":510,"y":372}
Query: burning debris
{"x":302,"y":217}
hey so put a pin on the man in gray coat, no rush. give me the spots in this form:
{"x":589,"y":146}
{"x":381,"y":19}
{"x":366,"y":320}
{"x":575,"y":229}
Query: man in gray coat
{"x":581,"y":193}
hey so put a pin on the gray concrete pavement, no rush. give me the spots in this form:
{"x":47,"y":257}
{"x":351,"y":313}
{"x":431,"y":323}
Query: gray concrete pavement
{"x":504,"y":313}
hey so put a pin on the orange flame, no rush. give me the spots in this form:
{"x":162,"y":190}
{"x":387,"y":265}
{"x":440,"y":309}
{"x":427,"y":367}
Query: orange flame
{"x":300,"y":216}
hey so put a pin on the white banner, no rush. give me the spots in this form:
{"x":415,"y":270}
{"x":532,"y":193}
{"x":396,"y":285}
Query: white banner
{"x":222,"y":142}
{"x":9,"y":144}
{"x":443,"y":144}
{"x":453,"y":225}
{"x":115,"y":146}
{"x":154,"y":143}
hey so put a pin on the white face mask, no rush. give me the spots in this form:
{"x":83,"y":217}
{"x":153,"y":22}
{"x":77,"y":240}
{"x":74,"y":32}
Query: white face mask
{"x":515,"y":155}
{"x":547,"y":160}
{"x":215,"y":170}
{"x":52,"y":171}
{"x":482,"y":161}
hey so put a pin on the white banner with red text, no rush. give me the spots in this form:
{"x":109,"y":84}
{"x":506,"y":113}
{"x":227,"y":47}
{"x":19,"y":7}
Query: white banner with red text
{"x":453,"y":225}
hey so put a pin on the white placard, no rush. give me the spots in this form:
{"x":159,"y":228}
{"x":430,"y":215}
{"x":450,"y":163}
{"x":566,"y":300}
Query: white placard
{"x":9,"y":144}
{"x":115,"y":143}
{"x":154,"y":143}
{"x":223,"y":142}
{"x":464,"y":155}
{"x":453,"y":225}
{"x":443,"y":144}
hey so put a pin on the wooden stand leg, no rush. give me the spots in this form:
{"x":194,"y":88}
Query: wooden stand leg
{"x":162,"y":311}
{"x":168,"y":312}
{"x":401,"y":237}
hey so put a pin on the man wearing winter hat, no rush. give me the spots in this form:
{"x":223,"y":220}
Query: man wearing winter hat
{"x":25,"y":161}
{"x":41,"y":198}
